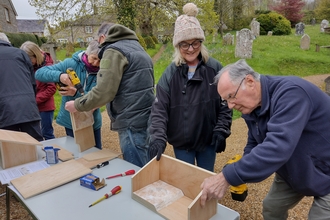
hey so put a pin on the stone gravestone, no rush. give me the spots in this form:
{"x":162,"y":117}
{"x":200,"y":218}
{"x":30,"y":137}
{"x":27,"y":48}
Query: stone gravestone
{"x":313,"y":21}
{"x":255,"y":28}
{"x":50,"y":48}
{"x":228,"y":39}
{"x":300,"y":27}
{"x":327,"y":85}
{"x":244,"y":41}
{"x":270,"y":33}
{"x":324,"y":24}
{"x":305,"y":42}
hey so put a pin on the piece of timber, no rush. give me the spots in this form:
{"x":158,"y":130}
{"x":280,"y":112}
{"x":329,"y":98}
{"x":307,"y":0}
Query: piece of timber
{"x":63,"y":154}
{"x":43,"y":180}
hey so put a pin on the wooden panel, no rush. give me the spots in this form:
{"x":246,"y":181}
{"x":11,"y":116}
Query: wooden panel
{"x":14,"y":154}
{"x":84,"y":138}
{"x":173,"y":171}
{"x":196,"y":212}
{"x":81,"y":120}
{"x":17,"y":137}
{"x":177,"y":210}
{"x":82,"y":126}
{"x":38,"y":182}
{"x":92,"y":159}
{"x":145,"y":176}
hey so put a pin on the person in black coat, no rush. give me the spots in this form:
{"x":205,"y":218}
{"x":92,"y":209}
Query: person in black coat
{"x":18,"y":106}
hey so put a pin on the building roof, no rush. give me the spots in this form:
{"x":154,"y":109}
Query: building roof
{"x":30,"y":26}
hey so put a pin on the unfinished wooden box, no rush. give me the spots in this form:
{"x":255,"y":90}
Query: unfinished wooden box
{"x":171,"y":188}
{"x":17,"y":148}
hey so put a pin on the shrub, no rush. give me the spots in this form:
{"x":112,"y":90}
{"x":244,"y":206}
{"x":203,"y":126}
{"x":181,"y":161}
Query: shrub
{"x":142,"y":42}
{"x":149,"y":42}
{"x":274,"y":22}
{"x":155,"y":39}
{"x":17,"y":39}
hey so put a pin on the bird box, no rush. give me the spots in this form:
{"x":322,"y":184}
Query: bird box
{"x":17,"y":148}
{"x":171,"y":188}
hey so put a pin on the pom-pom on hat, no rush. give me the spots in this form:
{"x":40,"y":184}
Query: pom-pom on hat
{"x":187,"y":26}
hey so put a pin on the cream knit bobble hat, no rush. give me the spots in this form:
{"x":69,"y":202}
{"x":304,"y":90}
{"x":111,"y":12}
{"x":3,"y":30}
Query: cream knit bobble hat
{"x":187,"y":26}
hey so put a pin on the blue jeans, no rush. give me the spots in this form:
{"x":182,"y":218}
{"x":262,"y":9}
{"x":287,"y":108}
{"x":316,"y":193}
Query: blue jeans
{"x":133,"y":146}
{"x":47,"y":124}
{"x":205,"y":159}
{"x":97,"y":136}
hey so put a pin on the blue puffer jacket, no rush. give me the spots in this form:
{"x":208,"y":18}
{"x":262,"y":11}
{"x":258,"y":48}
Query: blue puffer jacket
{"x":289,"y":134}
{"x":88,"y":80}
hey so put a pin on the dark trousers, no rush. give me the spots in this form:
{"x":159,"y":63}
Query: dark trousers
{"x":32,"y":128}
{"x":97,"y":136}
{"x":47,"y":124}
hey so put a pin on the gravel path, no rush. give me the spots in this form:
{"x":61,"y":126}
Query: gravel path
{"x":250,"y":209}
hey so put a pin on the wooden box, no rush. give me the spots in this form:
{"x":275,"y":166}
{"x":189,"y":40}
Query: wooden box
{"x":17,"y":148}
{"x":171,"y":188}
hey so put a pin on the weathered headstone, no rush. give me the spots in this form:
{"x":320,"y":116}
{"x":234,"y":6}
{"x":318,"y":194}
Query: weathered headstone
{"x":300,"y":27}
{"x":50,"y":48}
{"x":255,"y":28}
{"x":244,"y":41}
{"x":305,"y":42}
{"x":228,"y":39}
{"x":270,"y":33}
{"x":313,"y":21}
{"x":324,"y":24}
{"x":327,"y":85}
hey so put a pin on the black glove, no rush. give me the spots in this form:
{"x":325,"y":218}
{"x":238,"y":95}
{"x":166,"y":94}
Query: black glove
{"x":156,"y":147}
{"x":219,"y":142}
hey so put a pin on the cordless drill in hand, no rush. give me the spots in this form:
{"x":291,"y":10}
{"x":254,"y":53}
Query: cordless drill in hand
{"x":238,"y":193}
{"x":74,"y":79}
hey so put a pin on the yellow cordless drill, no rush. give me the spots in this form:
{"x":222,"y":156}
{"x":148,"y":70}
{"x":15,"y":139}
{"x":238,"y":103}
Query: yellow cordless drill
{"x":74,"y":79}
{"x":238,"y":193}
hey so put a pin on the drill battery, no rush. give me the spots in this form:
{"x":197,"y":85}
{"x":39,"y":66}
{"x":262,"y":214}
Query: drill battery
{"x":238,"y":193}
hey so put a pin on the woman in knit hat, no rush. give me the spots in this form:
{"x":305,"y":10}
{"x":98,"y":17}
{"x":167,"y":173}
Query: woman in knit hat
{"x":187,"y":112}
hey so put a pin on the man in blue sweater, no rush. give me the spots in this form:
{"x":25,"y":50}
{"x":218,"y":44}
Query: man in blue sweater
{"x":289,"y":134}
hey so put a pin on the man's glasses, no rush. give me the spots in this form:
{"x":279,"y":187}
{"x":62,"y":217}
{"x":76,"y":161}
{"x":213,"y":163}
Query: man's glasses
{"x":185,"y":46}
{"x":225,"y":102}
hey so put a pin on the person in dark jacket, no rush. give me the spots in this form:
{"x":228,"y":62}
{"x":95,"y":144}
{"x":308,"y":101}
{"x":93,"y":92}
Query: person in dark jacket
{"x":288,"y":121}
{"x":18,"y":106}
{"x":86,"y":65}
{"x":187,"y":111}
{"x":125,"y":83}
{"x":45,"y":91}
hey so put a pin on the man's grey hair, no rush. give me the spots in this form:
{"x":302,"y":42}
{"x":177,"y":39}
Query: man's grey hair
{"x":104,"y":28}
{"x":4,"y":37}
{"x":237,"y":71}
{"x":93,"y":48}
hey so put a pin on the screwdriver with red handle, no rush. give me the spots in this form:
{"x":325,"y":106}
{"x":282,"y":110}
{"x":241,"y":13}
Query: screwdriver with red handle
{"x":114,"y":191}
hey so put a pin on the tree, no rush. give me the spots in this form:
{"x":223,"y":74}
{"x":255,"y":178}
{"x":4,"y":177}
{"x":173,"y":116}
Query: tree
{"x":322,"y":10}
{"x":291,"y":10}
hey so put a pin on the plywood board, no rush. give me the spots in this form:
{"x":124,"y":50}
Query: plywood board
{"x":196,"y":212}
{"x":101,"y":154}
{"x":96,"y":160}
{"x":17,"y":137}
{"x":49,"y":178}
{"x":14,"y":154}
{"x":177,"y":210}
{"x":81,"y":120}
{"x":84,"y":138}
{"x":63,"y":154}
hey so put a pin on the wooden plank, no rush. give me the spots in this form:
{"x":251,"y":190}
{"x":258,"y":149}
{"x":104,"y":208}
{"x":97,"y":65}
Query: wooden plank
{"x":84,"y":138}
{"x":196,"y":212}
{"x":17,"y":137}
{"x":92,"y":159}
{"x":38,"y":182}
{"x":177,"y":210}
{"x":81,"y":120}
{"x":14,"y":154}
{"x":63,"y":154}
{"x":174,"y":171}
